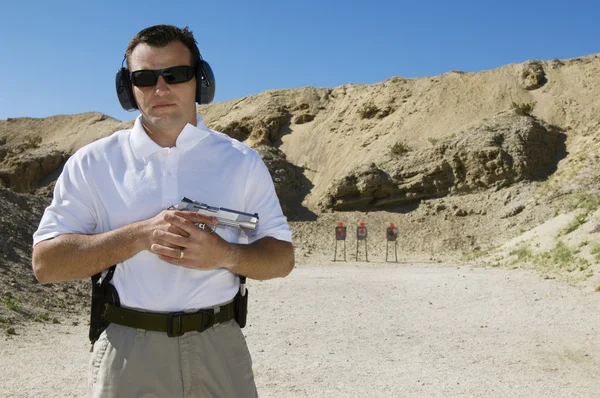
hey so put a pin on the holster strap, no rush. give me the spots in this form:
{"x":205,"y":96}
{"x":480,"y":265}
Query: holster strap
{"x":174,"y":323}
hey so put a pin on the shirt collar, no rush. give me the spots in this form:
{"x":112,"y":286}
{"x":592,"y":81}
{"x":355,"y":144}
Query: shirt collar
{"x":143,"y":146}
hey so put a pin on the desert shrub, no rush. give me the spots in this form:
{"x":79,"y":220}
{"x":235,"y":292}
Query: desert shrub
{"x":399,"y":148}
{"x":12,"y":303}
{"x":522,"y":253}
{"x":33,"y":141}
{"x":596,"y":252}
{"x":587,"y":204}
{"x":524,"y":109}
{"x":573,"y":225}
{"x":368,"y":110}
{"x":560,"y":255}
{"x":474,"y":254}
{"x":43,"y":317}
{"x":585,"y":201}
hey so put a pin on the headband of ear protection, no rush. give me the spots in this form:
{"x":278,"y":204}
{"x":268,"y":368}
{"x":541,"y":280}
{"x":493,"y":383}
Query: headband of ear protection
{"x":205,"y":83}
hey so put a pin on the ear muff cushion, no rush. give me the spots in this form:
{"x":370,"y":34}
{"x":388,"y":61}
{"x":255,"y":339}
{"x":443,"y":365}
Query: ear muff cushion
{"x":124,"y":90}
{"x":205,"y":86}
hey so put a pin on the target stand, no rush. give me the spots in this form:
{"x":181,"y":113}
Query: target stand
{"x":361,"y":236}
{"x":340,"y":235}
{"x":391,"y":234}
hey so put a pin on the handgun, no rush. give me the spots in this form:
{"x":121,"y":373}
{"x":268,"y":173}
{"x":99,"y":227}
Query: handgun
{"x":228,"y":217}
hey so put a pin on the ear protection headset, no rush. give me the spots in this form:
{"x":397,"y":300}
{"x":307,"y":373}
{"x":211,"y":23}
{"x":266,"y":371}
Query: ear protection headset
{"x":205,"y":83}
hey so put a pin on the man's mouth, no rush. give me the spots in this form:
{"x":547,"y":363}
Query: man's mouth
{"x":163,"y":105}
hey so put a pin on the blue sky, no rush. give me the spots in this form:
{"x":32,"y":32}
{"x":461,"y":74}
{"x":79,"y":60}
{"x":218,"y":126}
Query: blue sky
{"x":62,"y":58}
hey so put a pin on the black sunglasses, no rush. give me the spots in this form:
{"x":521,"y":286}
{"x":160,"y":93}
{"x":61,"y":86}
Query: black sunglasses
{"x":172,"y":75}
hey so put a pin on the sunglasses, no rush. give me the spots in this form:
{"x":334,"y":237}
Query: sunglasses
{"x":172,"y":75}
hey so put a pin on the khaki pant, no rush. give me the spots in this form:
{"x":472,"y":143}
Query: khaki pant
{"x":129,"y":362}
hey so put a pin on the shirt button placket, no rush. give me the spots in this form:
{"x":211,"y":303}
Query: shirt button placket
{"x":170,"y":174}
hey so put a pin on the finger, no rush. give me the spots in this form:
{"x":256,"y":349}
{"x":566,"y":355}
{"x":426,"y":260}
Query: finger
{"x":196,"y":217}
{"x":181,"y":263}
{"x":181,"y":222}
{"x":169,"y":252}
{"x":169,"y":237}
{"x":166,"y":244}
{"x":168,"y":259}
{"x":176,"y":230}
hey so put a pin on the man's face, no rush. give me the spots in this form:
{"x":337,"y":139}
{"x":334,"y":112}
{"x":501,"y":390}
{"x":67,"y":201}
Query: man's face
{"x":164,"y":106}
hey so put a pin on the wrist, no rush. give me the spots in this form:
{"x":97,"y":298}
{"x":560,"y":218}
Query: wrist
{"x":233,"y":257}
{"x":141,"y":237}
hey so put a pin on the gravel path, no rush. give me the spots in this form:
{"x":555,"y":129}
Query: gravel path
{"x":376,"y":330}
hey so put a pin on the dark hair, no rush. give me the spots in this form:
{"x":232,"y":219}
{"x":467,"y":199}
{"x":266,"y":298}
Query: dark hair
{"x":161,"y":36}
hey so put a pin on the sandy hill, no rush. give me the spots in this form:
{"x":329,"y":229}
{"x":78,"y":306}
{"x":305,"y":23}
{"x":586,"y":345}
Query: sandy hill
{"x":498,"y":166}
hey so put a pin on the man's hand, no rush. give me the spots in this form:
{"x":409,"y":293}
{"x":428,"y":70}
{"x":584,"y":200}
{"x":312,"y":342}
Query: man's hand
{"x":177,"y":240}
{"x":183,"y":243}
{"x":158,"y":223}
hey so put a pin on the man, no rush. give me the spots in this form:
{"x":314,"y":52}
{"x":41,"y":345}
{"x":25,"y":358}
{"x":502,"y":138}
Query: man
{"x":109,"y":207}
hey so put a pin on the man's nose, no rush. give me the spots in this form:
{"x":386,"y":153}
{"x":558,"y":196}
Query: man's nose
{"x":161,"y":86}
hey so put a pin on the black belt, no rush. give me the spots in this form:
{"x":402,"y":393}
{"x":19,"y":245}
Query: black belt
{"x":174,"y":323}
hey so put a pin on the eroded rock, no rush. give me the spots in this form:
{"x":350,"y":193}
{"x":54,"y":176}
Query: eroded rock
{"x":532,"y":75}
{"x":257,"y":131}
{"x":303,"y":118}
{"x":24,"y":173}
{"x":284,"y":176}
{"x":495,"y":155}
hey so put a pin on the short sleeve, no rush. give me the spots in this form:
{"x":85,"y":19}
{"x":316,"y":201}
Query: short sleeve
{"x":72,"y":207}
{"x":261,"y":198}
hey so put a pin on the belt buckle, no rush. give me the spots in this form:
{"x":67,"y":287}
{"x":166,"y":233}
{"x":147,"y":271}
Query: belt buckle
{"x":211,"y":316}
{"x":171,"y":332}
{"x":214,"y":318}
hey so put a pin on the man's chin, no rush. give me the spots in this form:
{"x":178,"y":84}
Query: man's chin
{"x":166,"y":120}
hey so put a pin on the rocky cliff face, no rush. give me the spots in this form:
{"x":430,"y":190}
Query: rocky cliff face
{"x":285,"y":177}
{"x":33,"y":151}
{"x":506,"y":150}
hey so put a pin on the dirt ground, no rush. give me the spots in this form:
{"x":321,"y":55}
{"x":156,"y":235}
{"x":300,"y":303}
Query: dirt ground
{"x":376,"y":330}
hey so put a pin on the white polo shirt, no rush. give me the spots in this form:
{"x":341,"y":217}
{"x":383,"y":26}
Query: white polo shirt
{"x":127,"y":177}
